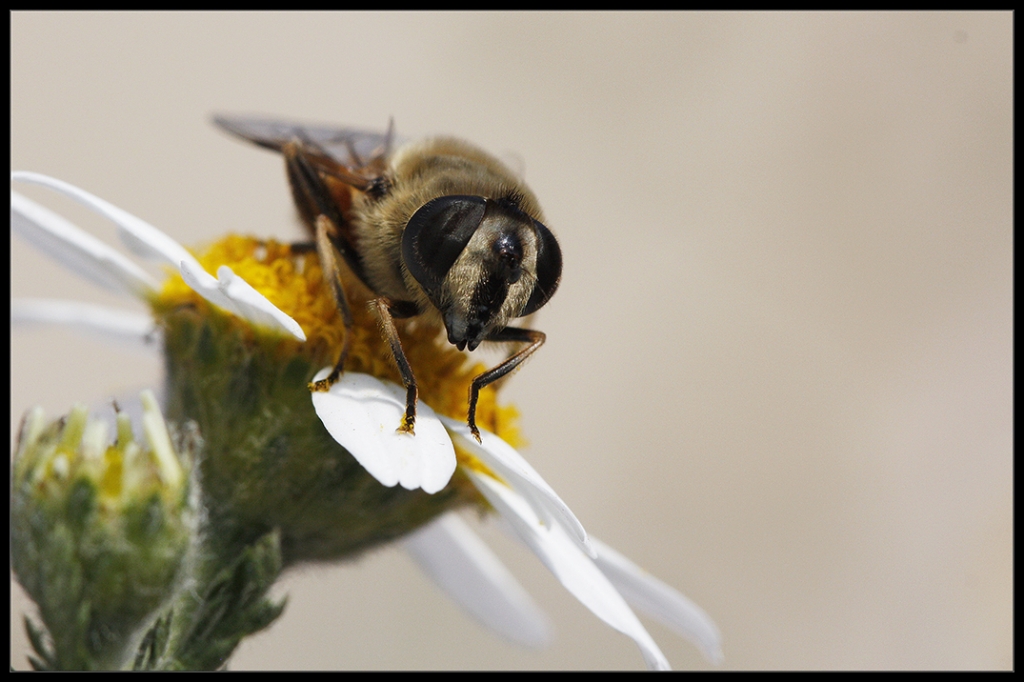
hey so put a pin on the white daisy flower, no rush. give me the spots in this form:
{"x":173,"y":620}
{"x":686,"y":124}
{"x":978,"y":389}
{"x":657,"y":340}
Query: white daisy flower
{"x":268,"y":464}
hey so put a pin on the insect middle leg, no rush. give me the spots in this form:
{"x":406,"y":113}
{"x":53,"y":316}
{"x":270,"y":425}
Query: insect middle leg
{"x":332,"y":275}
{"x":384,"y":309}
{"x":531,"y":336}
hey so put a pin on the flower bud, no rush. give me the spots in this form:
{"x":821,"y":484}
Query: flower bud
{"x":99,"y":532}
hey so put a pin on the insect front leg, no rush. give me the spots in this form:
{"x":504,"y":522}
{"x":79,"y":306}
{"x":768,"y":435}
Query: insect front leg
{"x":515,"y":334}
{"x":332,"y":276}
{"x":384,"y":309}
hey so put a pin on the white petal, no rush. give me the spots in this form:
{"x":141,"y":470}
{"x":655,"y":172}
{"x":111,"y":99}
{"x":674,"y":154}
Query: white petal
{"x":362,"y":414}
{"x":660,"y":601}
{"x":236,"y":296}
{"x":254,"y":306}
{"x":231,"y":292}
{"x":136,"y":329}
{"x":79,"y":251}
{"x":138,"y":235}
{"x":467,"y":570}
{"x":510,"y":465}
{"x":207,"y":286}
{"x":573,"y":568}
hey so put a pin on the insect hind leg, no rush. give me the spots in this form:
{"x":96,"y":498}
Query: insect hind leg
{"x":387,"y":312}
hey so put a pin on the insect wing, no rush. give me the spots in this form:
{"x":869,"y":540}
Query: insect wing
{"x":346,"y":146}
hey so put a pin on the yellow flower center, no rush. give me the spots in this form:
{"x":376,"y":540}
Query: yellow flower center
{"x":292,"y":280}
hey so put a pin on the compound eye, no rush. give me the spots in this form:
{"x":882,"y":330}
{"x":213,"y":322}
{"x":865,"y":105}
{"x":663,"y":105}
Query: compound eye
{"x":549,"y":269}
{"x":435,"y":236}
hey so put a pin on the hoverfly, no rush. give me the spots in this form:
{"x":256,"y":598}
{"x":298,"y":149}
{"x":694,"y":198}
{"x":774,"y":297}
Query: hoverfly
{"x":437,"y":227}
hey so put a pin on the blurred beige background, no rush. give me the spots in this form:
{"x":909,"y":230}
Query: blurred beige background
{"x":779,"y":366}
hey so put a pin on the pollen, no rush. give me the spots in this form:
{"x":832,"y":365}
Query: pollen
{"x":292,"y":279}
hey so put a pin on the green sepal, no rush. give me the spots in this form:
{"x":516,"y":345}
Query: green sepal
{"x":37,"y":637}
{"x":154,"y":643}
{"x":231,"y":607}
